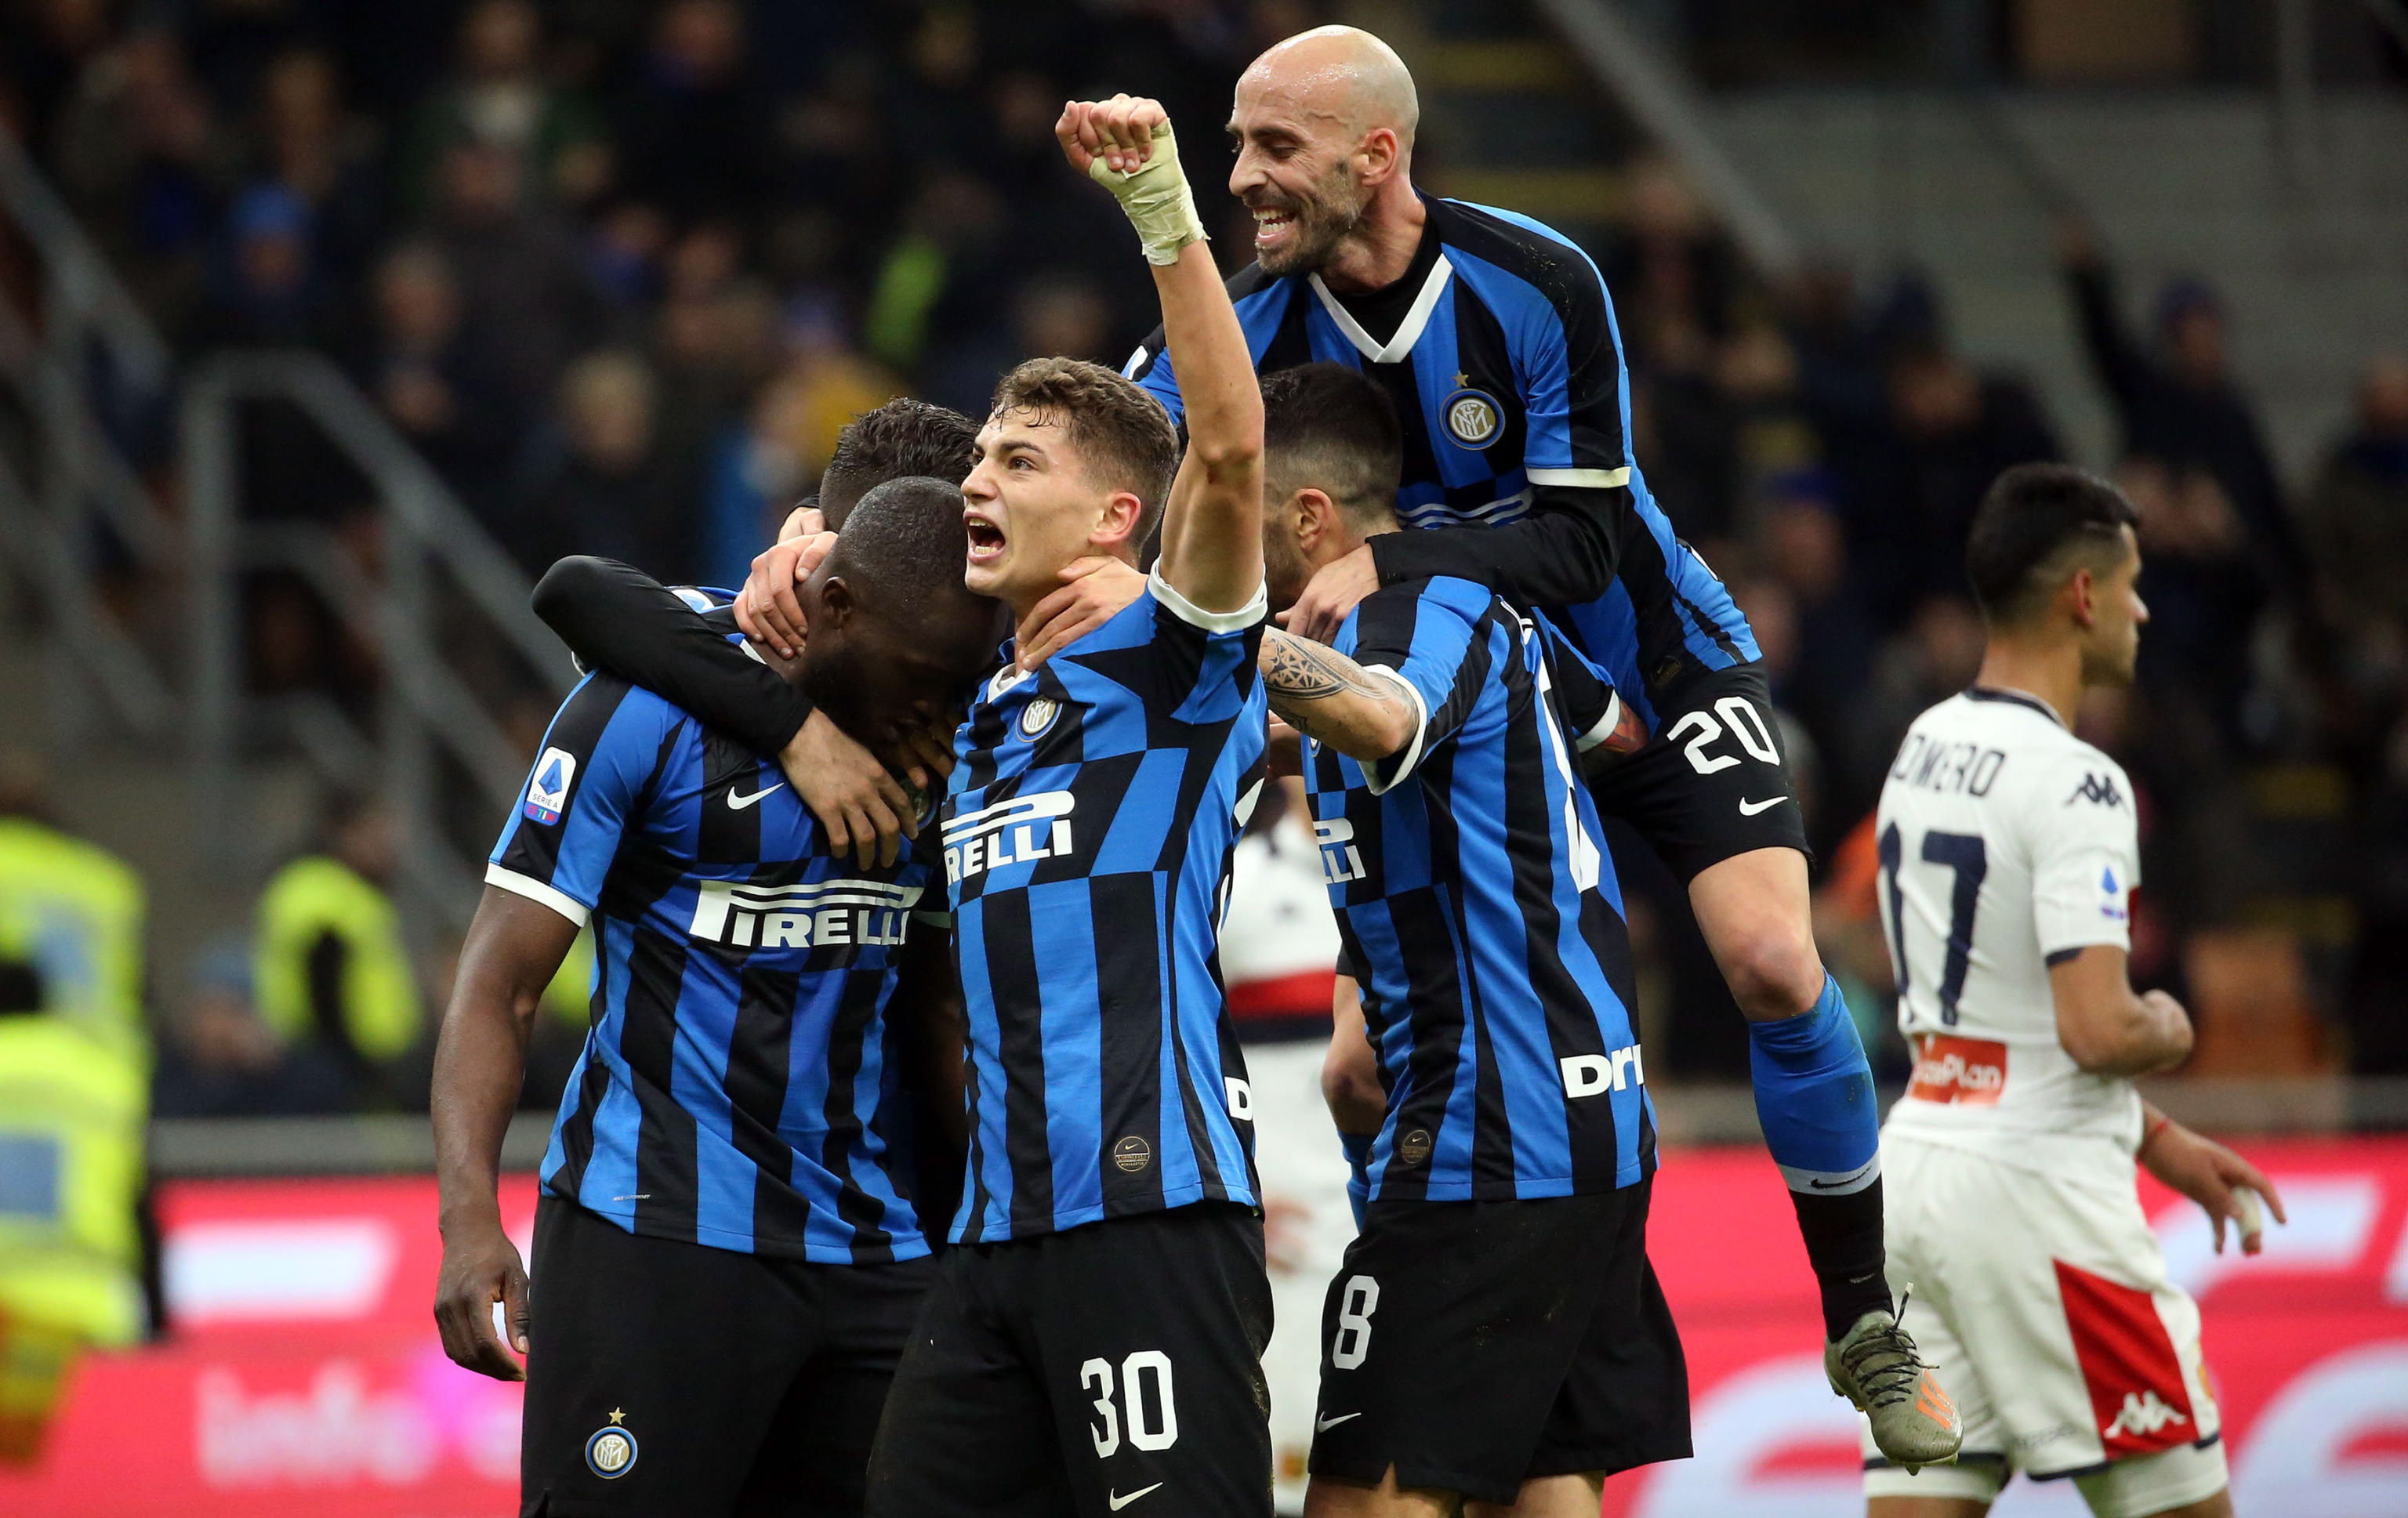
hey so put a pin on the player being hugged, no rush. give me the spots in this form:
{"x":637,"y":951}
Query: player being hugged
{"x":2009,"y":852}
{"x":1094,"y":1338}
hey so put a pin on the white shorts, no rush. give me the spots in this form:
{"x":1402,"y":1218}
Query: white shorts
{"x":2040,"y":1302}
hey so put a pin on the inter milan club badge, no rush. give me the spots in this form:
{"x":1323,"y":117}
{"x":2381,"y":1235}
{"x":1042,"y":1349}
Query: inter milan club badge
{"x":1038,"y":715}
{"x":610,"y":1454}
{"x":1474,"y":418}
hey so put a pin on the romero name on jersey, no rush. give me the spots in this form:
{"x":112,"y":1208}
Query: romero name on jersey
{"x":2006,"y":843}
{"x":1481,"y":915}
{"x":735,"y":1088}
{"x":1088,"y":829}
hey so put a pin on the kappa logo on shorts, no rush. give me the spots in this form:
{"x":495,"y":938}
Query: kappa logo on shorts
{"x":611,"y":1451}
{"x":1132,"y":1154}
{"x":2143,"y":1413}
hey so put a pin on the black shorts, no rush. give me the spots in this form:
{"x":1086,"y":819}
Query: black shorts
{"x":1078,"y":1372}
{"x":1713,"y":782}
{"x":1476,"y":1345}
{"x":671,"y":1377}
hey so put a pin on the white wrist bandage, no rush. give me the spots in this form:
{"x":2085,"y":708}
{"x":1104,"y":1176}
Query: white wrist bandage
{"x":1156,"y":199}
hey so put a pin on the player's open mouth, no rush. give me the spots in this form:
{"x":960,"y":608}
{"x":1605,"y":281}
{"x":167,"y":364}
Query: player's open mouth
{"x":1271,"y":227}
{"x":986,"y":539}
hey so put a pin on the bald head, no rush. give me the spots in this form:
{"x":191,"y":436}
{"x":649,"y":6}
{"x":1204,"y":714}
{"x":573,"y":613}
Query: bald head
{"x":1342,"y":75}
{"x":1325,"y":125}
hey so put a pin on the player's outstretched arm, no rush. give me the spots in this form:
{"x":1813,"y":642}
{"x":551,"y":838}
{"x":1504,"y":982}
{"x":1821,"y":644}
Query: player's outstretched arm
{"x":2208,"y":1174}
{"x":618,"y":618}
{"x":1331,"y":699}
{"x":513,"y":949}
{"x":1212,"y":526}
{"x":2105,"y":1026}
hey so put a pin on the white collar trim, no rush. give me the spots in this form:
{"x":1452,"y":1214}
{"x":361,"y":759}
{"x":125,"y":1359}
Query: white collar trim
{"x":1409,"y":332}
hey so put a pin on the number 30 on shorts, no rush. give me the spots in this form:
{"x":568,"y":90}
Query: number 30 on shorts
{"x":1745,"y":724}
{"x":1146,"y":1407}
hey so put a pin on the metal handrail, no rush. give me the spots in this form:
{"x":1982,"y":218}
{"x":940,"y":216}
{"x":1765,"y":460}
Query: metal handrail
{"x":82,"y":285}
{"x":1656,"y":92}
{"x":425,"y":707}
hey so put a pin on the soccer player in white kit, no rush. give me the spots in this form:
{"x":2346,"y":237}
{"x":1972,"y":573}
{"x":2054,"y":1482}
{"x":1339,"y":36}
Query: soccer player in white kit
{"x":2009,"y":852}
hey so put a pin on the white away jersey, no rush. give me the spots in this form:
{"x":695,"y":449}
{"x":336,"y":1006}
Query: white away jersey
{"x":2006,"y":843}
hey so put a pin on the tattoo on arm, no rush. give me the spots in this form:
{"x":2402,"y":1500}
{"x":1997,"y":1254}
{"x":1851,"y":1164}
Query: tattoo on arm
{"x":1304,"y":680}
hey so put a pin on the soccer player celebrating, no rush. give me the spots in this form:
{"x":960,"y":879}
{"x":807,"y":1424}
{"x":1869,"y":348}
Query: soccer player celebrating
{"x":728,"y":1259}
{"x":1509,"y":1173}
{"x":1495,"y":337}
{"x":2008,"y":853}
{"x":1095,"y":1335}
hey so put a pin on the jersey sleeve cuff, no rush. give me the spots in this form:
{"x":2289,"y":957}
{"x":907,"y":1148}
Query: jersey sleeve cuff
{"x":1605,"y":725}
{"x":537,"y":892}
{"x":1211,"y":621}
{"x":1582,"y":479}
{"x":1383,"y":775}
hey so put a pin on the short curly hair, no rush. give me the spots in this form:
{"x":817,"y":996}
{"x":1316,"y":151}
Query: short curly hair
{"x":900,"y":440}
{"x":1124,"y":437}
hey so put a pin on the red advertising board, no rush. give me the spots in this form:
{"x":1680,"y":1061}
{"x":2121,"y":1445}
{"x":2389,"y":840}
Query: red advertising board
{"x":306,"y":1378}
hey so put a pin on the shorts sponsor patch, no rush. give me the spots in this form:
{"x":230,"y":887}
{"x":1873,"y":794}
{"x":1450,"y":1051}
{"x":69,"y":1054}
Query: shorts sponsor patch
{"x":1966,"y":1073}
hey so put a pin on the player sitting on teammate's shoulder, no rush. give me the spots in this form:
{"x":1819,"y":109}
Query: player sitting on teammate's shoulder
{"x":2009,"y":852}
{"x":1495,"y":336}
{"x":728,"y":1256}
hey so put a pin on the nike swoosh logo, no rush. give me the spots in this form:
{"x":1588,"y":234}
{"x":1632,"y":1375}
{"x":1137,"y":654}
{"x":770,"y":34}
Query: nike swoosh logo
{"x":738,"y":803}
{"x":1323,"y":1426}
{"x":1749,"y":809}
{"x":1119,"y":1501}
{"x":1849,"y":1179}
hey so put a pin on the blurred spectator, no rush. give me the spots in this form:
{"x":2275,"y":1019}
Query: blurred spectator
{"x":942,"y":274}
{"x":523,"y":282}
{"x":267,"y":289}
{"x":324,"y":157}
{"x":1671,"y":261}
{"x":2359,"y":510}
{"x":434,"y":381}
{"x":2204,"y":585}
{"x":688,"y":131}
{"x":219,"y":1059}
{"x":328,"y":962}
{"x":1802,"y":546}
{"x":137,"y":157}
{"x":2179,"y":406}
{"x":71,"y":1182}
{"x":1055,"y":314}
{"x":1952,"y":429}
{"x":500,"y":98}
{"x":71,"y":918}
{"x":597,"y":480}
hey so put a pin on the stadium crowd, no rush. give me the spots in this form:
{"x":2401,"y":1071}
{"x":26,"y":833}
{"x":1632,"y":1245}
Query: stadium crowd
{"x":622,"y":271}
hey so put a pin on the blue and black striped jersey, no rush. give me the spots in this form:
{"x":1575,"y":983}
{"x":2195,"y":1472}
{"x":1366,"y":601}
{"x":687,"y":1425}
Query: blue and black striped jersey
{"x":1481,"y":914}
{"x":1088,"y":829}
{"x":738,"y":1086}
{"x":1506,"y":369}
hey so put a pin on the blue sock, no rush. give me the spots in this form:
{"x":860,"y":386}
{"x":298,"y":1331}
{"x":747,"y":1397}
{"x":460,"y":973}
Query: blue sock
{"x":1814,"y":1101}
{"x":1814,"y":1098}
{"x":1358,"y":1163}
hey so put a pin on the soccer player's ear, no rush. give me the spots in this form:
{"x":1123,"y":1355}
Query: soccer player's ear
{"x":836,"y":602}
{"x":1315,"y":516}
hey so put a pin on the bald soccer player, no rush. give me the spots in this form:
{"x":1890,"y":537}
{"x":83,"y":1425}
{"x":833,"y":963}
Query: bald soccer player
{"x":1495,"y":337}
